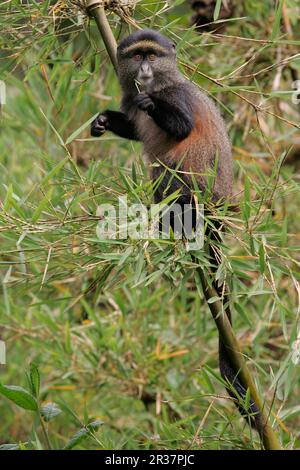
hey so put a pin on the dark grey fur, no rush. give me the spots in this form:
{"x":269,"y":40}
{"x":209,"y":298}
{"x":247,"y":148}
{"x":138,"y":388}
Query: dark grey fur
{"x":179,"y":126}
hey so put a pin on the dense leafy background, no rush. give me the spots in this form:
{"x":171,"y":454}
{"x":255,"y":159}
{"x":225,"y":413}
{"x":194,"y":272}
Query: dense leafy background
{"x":118,"y":330}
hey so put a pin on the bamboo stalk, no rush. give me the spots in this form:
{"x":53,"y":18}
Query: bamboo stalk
{"x":230,"y":341}
{"x":95,"y":9}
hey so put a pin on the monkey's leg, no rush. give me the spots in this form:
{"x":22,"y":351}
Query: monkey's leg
{"x":228,"y":372}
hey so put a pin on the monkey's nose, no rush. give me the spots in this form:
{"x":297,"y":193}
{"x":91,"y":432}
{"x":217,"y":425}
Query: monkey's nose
{"x":146,"y":71}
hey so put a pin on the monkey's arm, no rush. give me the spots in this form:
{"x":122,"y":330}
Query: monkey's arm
{"x":116,"y":122}
{"x":171,"y":113}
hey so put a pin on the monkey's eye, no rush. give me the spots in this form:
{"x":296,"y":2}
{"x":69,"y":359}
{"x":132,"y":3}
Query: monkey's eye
{"x":151,"y":57}
{"x":137,"y":57}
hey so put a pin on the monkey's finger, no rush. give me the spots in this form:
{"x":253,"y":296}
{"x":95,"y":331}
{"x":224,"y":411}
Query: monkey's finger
{"x":142,"y":94}
{"x":97,"y":131}
{"x":146,"y":105}
{"x":101,"y":120}
{"x":150,"y":106}
{"x":141,"y":97}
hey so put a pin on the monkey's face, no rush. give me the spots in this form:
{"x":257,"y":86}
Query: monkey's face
{"x":146,"y":61}
{"x":146,"y":70}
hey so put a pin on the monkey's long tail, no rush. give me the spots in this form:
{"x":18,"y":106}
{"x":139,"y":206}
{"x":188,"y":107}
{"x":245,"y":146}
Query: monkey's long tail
{"x":228,"y":372}
{"x":237,"y":391}
{"x":230,"y":375}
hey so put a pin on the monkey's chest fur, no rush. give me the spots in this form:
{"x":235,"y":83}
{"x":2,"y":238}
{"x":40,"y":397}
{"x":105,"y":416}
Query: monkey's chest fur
{"x":193,"y":157}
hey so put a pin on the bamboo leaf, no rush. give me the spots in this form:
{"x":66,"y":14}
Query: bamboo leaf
{"x":217,"y":9}
{"x":19,"y":396}
{"x":82,"y":434}
{"x":277,"y":20}
{"x":35,"y":379}
{"x":54,"y":171}
{"x":80,"y":129}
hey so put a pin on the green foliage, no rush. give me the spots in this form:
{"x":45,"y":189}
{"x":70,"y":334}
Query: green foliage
{"x":19,"y":396}
{"x":44,"y":413}
{"x":118,"y":328}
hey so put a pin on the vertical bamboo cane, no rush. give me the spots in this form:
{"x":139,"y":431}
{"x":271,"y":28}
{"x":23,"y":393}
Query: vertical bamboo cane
{"x":229,"y":339}
{"x":95,"y":9}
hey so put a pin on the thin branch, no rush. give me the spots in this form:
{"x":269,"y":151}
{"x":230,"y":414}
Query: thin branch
{"x":227,"y":335}
{"x":95,"y":9}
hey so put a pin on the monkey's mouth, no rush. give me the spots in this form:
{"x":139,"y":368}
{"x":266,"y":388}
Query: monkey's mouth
{"x":145,"y":79}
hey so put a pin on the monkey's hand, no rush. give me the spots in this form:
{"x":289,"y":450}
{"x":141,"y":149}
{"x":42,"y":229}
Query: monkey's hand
{"x":99,"y":125}
{"x":144,"y":102}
